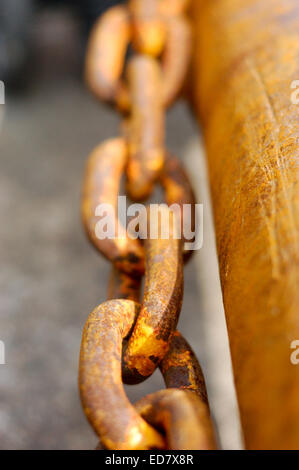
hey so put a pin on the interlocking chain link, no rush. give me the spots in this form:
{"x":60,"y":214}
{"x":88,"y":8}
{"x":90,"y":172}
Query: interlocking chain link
{"x":125,"y":341}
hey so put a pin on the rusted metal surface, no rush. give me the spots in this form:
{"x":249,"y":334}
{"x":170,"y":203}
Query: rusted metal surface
{"x":175,"y":182}
{"x":153,"y":31}
{"x":148,"y":27}
{"x":105,"y":57}
{"x":103,"y":397}
{"x":123,"y":286}
{"x":181,"y":414}
{"x":146,"y":126}
{"x":179,"y":192}
{"x":246,"y":56}
{"x":101,"y":186}
{"x":183,"y":417}
{"x":173,"y":7}
{"x":176,"y":56}
{"x":181,"y":369}
{"x":161,"y":305}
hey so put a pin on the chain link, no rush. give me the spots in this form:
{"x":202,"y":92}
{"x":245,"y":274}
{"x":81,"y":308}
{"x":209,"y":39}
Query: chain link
{"x":124,"y":341}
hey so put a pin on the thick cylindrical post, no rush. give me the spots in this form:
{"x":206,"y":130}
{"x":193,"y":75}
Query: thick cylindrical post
{"x":246,"y":57}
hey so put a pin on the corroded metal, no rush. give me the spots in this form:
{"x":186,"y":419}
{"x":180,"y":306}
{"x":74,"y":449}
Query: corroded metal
{"x":183,"y":417}
{"x":105,"y":403}
{"x":162,"y":300}
{"x":148,"y":27}
{"x":246,"y":56}
{"x":105,"y":57}
{"x":176,"y":183}
{"x":182,"y":414}
{"x":101,"y":186}
{"x":173,"y":7}
{"x":181,"y":369}
{"x":176,"y":57}
{"x":179,"y":192}
{"x":145,"y":126}
{"x":123,"y":286}
{"x":153,"y":31}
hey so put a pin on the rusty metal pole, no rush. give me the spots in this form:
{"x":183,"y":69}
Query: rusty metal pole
{"x":246,"y":56}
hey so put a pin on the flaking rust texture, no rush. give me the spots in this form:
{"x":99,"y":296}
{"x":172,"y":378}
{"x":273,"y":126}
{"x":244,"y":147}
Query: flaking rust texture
{"x":145,"y":126}
{"x":103,"y":397}
{"x":148,"y":27}
{"x":181,"y":369}
{"x":246,"y":55}
{"x":176,"y":56}
{"x":183,"y":417}
{"x":161,"y":305}
{"x":181,"y":411}
{"x":101,"y":186}
{"x":173,"y":7}
{"x":105,"y":57}
{"x":123,"y":286}
{"x":179,"y":192}
{"x":182,"y":414}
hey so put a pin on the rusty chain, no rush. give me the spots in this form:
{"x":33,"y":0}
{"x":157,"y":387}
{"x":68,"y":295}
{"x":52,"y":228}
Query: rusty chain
{"x":124,"y":341}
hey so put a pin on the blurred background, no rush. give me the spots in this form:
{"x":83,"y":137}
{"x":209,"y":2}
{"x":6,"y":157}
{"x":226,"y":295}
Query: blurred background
{"x":51,"y":278}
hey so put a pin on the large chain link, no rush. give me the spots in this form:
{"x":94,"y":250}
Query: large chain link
{"x":123,"y":341}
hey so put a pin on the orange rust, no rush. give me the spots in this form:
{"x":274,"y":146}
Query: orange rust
{"x":105,"y":57}
{"x":180,"y":368}
{"x":123,"y":286}
{"x":182,"y":414}
{"x":148,"y":27}
{"x":176,"y":183}
{"x":105,"y":403}
{"x":183,"y":417}
{"x":246,"y":56}
{"x":178,"y":191}
{"x":146,"y":126}
{"x":101,"y":185}
{"x":173,"y":7}
{"x":161,"y":304}
{"x":176,"y":56}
